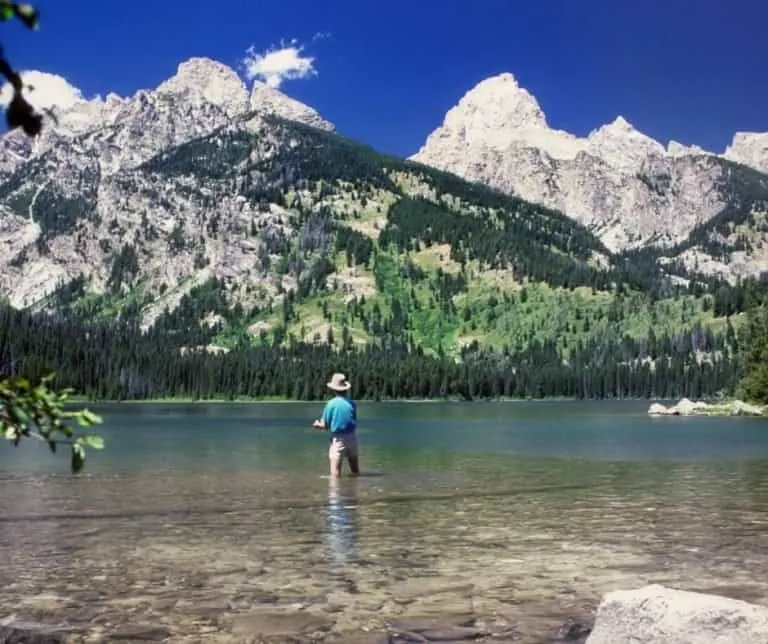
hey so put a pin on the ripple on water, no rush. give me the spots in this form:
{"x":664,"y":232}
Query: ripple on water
{"x":217,"y":555}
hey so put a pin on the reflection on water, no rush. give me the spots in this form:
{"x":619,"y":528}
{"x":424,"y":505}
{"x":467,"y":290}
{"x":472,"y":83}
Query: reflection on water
{"x":216,"y":550}
{"x":342,"y":518}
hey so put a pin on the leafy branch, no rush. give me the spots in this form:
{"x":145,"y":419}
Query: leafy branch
{"x":37,"y":411}
{"x":20,"y":112}
{"x":26,"y":410}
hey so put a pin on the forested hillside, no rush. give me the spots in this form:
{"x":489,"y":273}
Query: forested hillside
{"x":115,"y":360}
{"x":268,"y":244}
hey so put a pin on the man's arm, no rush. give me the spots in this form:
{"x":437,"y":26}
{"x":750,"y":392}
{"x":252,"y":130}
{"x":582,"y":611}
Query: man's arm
{"x":324,"y":420}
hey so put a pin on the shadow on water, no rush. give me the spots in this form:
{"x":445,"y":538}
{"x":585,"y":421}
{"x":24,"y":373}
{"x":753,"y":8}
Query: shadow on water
{"x":380,"y":500}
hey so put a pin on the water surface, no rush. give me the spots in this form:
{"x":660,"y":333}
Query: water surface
{"x":214,"y":521}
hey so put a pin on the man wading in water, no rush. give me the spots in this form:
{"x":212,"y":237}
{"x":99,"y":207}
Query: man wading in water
{"x":340,"y":419}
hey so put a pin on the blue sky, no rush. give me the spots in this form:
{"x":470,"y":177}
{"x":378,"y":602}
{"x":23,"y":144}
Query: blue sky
{"x":689,"y":70}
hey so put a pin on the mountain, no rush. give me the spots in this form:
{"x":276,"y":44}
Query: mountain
{"x":69,"y":175}
{"x":625,"y":187}
{"x":225,"y":217}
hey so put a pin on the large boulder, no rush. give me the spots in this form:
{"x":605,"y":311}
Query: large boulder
{"x":657,"y":409}
{"x":688,"y":408}
{"x":659,"y":615}
{"x":13,"y":632}
{"x":740,"y":408}
{"x":683,"y":408}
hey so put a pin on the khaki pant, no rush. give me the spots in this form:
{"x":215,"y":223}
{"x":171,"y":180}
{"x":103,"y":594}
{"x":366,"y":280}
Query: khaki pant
{"x":343,"y":446}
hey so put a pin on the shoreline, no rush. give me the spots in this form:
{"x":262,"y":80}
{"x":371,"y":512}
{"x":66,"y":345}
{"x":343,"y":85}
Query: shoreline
{"x":82,"y":400}
{"x":267,"y":400}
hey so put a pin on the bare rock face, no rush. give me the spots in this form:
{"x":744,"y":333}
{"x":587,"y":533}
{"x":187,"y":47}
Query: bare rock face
{"x":200,"y":97}
{"x":77,"y":196}
{"x":659,"y":615}
{"x":626,"y":187}
{"x":749,"y":148}
{"x":268,"y":100}
{"x":201,"y":81}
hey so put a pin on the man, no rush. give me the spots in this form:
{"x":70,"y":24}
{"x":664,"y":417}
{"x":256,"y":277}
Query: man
{"x":340,"y":419}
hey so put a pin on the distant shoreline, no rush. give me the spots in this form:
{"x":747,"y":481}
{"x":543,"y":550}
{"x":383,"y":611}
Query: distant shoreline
{"x":80,"y":400}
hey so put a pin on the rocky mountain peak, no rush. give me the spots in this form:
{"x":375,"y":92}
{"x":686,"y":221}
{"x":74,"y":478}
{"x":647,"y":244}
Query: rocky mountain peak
{"x":271,"y":101}
{"x":677,"y":149}
{"x":200,"y":97}
{"x":202,"y":80}
{"x":624,"y":185}
{"x":497,"y":114}
{"x":621,"y":125}
{"x":749,"y":148}
{"x":622,"y":145}
{"x":497,"y":104}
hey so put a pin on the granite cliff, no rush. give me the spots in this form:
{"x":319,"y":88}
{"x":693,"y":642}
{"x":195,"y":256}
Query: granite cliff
{"x":627,"y":188}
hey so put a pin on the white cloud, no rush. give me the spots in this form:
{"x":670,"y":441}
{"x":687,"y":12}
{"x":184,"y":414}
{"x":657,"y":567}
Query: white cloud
{"x":49,"y":91}
{"x":276,"y":65}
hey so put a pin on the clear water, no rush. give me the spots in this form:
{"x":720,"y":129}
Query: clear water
{"x":211,"y":522}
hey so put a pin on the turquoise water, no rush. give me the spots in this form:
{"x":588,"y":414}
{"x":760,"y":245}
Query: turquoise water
{"x":524,"y":510}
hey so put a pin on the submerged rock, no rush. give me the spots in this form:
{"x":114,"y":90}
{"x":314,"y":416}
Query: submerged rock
{"x":574,"y":632}
{"x":141,"y":633}
{"x":34,"y":633}
{"x":277,"y":624}
{"x":656,"y":614}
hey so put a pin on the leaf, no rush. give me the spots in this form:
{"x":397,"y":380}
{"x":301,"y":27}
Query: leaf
{"x":6,"y":11}
{"x":93,"y":441}
{"x":28,"y":15}
{"x":10,"y":432}
{"x":19,"y":415}
{"x":87,"y":418}
{"x":21,"y":114}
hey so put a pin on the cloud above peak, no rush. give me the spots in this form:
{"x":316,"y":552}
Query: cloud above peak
{"x":48,"y":91}
{"x":279,"y":63}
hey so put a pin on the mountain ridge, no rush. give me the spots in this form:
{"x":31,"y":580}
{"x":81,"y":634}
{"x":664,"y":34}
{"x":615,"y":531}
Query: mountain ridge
{"x":268,"y":226}
{"x":628,"y":188}
{"x":523,"y":113}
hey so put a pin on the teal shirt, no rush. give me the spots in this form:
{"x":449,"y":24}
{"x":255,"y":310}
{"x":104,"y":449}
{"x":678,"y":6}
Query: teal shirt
{"x":340,"y":415}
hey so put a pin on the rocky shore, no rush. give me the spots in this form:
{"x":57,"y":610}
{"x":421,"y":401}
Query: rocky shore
{"x":656,"y":614}
{"x":653,"y":614}
{"x":689,"y":408}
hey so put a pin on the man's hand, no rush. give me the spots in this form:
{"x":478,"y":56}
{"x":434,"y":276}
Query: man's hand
{"x":318,"y":424}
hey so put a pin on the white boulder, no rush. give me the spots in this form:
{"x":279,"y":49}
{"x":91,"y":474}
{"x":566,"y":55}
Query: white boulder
{"x":657,"y":409}
{"x":688,"y":408}
{"x":683,"y":408}
{"x":739,"y":408}
{"x":656,"y":614}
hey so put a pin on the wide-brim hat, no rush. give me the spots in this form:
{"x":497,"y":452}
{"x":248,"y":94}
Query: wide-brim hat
{"x":339,"y":382}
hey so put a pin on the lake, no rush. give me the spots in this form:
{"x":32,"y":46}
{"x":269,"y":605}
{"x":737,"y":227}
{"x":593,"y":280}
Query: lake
{"x":213,"y":522}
